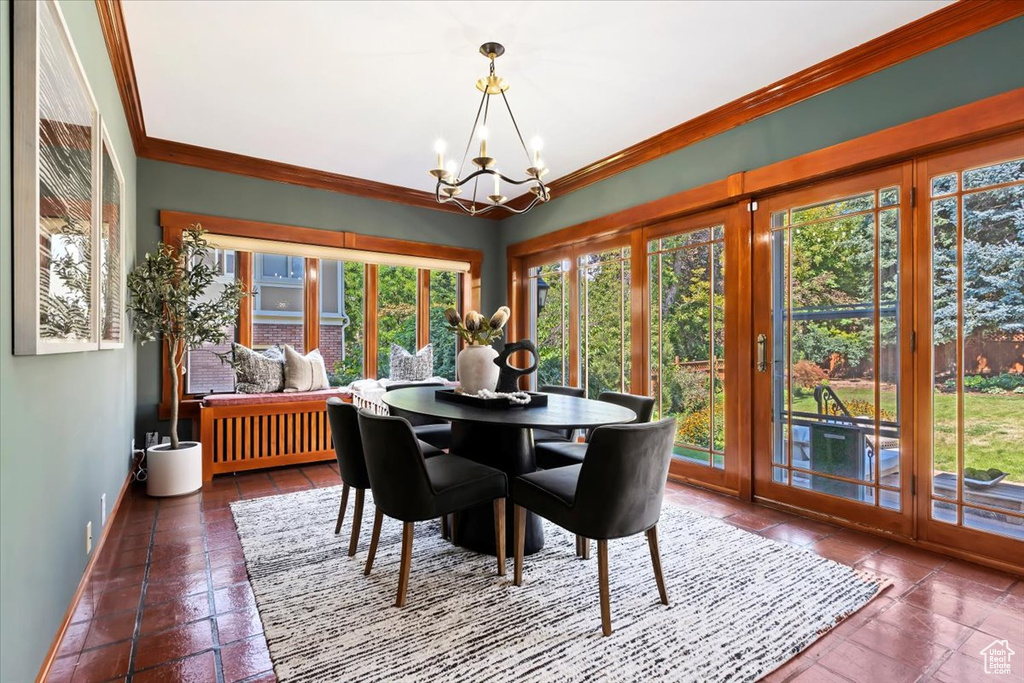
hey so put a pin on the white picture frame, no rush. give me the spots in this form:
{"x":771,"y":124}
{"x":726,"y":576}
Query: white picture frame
{"x":57,"y":144}
{"x":110,"y":230}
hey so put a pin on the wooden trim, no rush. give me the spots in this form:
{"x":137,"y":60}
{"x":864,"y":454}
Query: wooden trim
{"x":370,"y":322}
{"x":983,"y":119}
{"x":391,"y":245}
{"x":244,"y":271}
{"x":51,"y":654}
{"x":942,"y":27}
{"x":115,"y":35}
{"x":422,"y":308}
{"x":237,"y":227}
{"x":311,"y":302}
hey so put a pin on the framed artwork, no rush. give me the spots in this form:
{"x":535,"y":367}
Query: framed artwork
{"x":68,"y":194}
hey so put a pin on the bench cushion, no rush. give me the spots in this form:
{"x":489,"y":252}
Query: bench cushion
{"x":276,"y":397}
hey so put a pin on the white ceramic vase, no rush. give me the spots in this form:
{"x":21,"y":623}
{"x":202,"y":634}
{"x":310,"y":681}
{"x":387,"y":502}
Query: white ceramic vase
{"x":476,"y":370}
{"x":174,"y":473}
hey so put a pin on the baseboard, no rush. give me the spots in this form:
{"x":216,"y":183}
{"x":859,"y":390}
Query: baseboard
{"x":51,"y":654}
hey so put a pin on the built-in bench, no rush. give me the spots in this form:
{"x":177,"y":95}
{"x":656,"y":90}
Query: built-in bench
{"x":253,"y":431}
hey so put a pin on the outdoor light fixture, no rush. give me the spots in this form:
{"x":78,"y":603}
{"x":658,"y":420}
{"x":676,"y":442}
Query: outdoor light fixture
{"x":450,"y":179}
{"x":542,"y":294}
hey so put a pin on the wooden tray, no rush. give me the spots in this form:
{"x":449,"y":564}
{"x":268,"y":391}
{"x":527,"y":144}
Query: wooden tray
{"x":501,"y":403}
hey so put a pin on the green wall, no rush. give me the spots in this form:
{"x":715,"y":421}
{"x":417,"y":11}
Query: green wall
{"x":65,"y":420}
{"x":164,"y":185}
{"x":971,"y":69}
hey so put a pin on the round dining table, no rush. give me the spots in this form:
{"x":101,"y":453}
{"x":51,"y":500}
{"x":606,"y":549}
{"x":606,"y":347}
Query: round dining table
{"x":503,"y":439}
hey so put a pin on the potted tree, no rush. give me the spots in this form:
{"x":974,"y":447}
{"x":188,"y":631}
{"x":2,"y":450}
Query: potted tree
{"x":171,"y":301}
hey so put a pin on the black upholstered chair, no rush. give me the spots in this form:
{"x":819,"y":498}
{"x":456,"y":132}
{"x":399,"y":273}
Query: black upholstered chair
{"x":562,"y":454}
{"x":436,"y":432}
{"x":616,"y":492}
{"x":546,"y":435}
{"x":408,"y":487}
{"x":348,"y":447}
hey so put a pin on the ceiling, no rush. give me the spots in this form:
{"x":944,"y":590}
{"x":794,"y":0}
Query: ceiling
{"x":365,"y":88}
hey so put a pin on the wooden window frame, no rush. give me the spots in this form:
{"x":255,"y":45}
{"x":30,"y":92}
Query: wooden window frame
{"x":174,"y":223}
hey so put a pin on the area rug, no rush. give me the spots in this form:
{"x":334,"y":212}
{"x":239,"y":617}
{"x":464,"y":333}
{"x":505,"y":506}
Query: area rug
{"x":740,"y":605}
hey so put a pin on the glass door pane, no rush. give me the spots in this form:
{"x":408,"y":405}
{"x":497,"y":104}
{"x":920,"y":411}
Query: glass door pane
{"x":687,"y":340}
{"x":604,"y":296}
{"x":548,"y":287}
{"x":444,"y":294}
{"x":976,"y":221}
{"x":396,"y":313}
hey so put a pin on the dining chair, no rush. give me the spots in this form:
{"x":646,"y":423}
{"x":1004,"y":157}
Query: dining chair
{"x":410,"y":488}
{"x":435,"y":431}
{"x":348,"y":448}
{"x":562,"y":454}
{"x":617,"y":491}
{"x":557,"y":435}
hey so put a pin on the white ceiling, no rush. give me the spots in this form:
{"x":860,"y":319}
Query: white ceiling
{"x":364,"y":88}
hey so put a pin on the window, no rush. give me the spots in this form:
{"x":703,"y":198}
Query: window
{"x":396,"y":313}
{"x":341,"y":319}
{"x":604,"y":292}
{"x":687,"y":340}
{"x":444,"y":294}
{"x":278,"y":302}
{"x":206,"y":373}
{"x":549,"y":321}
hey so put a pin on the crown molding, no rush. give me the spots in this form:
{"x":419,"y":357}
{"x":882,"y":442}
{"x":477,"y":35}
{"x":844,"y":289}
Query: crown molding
{"x":949,"y":24}
{"x":942,"y":27}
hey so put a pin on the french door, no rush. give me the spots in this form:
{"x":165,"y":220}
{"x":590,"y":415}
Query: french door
{"x":833,"y":408}
{"x":970,"y":365}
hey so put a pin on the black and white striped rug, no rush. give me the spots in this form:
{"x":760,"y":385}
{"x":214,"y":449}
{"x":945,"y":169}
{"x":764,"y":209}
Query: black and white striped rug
{"x":741,"y":605}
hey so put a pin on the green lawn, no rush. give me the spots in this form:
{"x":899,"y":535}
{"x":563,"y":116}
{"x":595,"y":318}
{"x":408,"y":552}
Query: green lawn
{"x":994,"y":429}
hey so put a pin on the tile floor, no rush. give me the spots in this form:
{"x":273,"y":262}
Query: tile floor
{"x":170,"y":601}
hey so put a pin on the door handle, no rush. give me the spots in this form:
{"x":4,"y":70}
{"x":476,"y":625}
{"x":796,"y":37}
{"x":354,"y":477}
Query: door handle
{"x":762,"y":352}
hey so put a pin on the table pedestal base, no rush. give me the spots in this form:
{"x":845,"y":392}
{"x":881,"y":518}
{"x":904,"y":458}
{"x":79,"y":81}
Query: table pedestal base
{"x":509,"y":449}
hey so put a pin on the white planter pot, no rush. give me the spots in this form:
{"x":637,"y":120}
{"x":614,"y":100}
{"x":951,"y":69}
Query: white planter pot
{"x":174,"y":473}
{"x":476,"y":370}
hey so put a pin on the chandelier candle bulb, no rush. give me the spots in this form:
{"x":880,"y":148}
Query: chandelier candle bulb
{"x":439,"y":147}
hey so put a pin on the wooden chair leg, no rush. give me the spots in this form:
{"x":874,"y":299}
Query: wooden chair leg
{"x":357,"y":521}
{"x":454,"y":527}
{"x":602,"y":580}
{"x":378,"y":518}
{"x":499,"y":533}
{"x":519,"y":540}
{"x":444,"y":527}
{"x":341,"y":510}
{"x":584,"y":547}
{"x":403,"y":571}
{"x":652,"y":542}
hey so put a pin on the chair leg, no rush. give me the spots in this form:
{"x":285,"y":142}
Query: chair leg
{"x":378,"y":518}
{"x":357,"y":521}
{"x":602,"y":580}
{"x":341,"y":510}
{"x":519,"y":539}
{"x":499,"y":533}
{"x":403,"y":571}
{"x":652,"y":542}
{"x":444,"y":527}
{"x":454,"y":528}
{"x":584,"y":547}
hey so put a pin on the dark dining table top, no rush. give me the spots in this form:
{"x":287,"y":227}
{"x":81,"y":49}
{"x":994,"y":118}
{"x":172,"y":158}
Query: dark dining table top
{"x":561,"y":412}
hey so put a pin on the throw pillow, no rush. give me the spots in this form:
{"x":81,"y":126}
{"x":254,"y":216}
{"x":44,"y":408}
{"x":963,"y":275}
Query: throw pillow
{"x":409,"y":368}
{"x":257,"y":373}
{"x":304,"y":373}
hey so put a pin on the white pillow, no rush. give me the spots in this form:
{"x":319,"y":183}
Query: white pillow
{"x":304,"y":373}
{"x":406,"y":367}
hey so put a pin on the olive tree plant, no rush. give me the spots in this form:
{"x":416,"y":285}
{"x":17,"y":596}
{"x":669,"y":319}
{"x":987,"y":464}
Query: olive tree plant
{"x":171,"y":301}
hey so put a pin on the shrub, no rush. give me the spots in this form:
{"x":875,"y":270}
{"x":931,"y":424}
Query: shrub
{"x":857,"y":407}
{"x":695,"y":427}
{"x":808,"y":375}
{"x":988,"y":384}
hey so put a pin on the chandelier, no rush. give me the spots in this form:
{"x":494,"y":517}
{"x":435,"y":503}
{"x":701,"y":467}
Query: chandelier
{"x":450,"y":178}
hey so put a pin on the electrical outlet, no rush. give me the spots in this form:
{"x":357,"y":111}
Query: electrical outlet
{"x":103,"y":510}
{"x":88,"y":538}
{"x":152,"y":439}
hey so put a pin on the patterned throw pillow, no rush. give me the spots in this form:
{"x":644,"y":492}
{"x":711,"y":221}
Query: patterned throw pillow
{"x":304,"y":373}
{"x":258,"y":373}
{"x":409,"y":368}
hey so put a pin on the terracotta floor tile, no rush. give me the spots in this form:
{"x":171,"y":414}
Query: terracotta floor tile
{"x":228,"y":540}
{"x":818,"y":674}
{"x":961,"y":609}
{"x":814,"y":526}
{"x":895,"y":567}
{"x":861,"y":539}
{"x":880,"y":637}
{"x":244,"y":659}
{"x":792,"y":534}
{"x":290,"y":479}
{"x":748,"y":521}
{"x":103,"y":664}
{"x":234,"y":626}
{"x":265,"y":677}
{"x":322,"y":476}
{"x":840,"y":551}
{"x":232,"y":598}
{"x":223,"y":557}
{"x":1005,"y":623}
{"x":175,"y":612}
{"x":178,"y":642}
{"x":858,"y":619}
{"x":62,"y":669}
{"x":860,"y":664}
{"x":983,"y":575}
{"x":111,"y":628}
{"x":909,"y":553}
{"x":960,"y":668}
{"x":788,"y":670}
{"x":229,"y":574}
{"x":979,"y":641}
{"x":169,"y":590}
{"x":74,"y":639}
{"x":130,"y":558}
{"x":168,"y":551}
{"x":926,"y":625}
{"x":219,"y":526}
{"x":957,"y":585}
{"x":118,"y":600}
{"x":201,"y":667}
